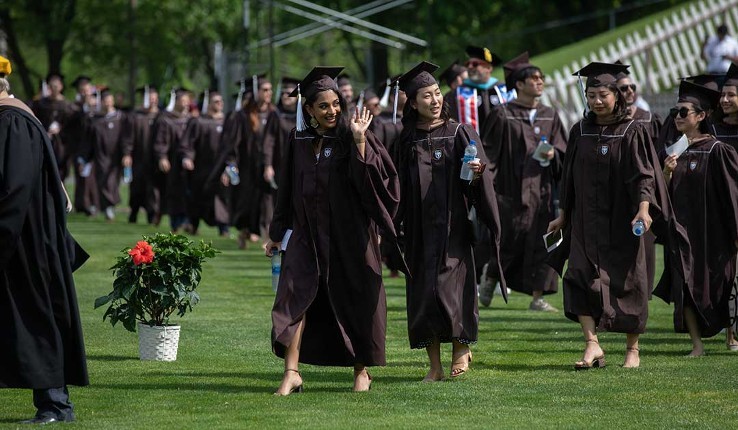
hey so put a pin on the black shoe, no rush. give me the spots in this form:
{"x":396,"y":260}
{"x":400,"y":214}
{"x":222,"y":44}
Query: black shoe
{"x":48,"y":419}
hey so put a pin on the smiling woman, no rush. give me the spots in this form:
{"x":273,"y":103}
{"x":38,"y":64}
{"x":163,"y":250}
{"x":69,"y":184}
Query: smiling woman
{"x":338,"y":189}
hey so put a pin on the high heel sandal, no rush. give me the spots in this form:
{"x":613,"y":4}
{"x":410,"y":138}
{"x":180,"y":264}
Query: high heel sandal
{"x":597,"y":362}
{"x":458,"y":371}
{"x":297,"y":389}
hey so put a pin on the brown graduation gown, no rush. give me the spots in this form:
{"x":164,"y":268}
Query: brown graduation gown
{"x":277,"y":130}
{"x":137,"y":144}
{"x":170,"y":127}
{"x":608,"y":171}
{"x":704,"y":192}
{"x":526,"y":193}
{"x":331,"y":272}
{"x":61,"y":111}
{"x":439,"y":237}
{"x":105,"y":138}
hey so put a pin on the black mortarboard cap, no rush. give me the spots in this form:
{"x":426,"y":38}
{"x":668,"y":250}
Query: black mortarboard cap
{"x":623,"y":74}
{"x":370,"y":94}
{"x":344,"y":79}
{"x":700,"y":96}
{"x":484,"y":54}
{"x":451,"y":72}
{"x":142,"y":89}
{"x":289,"y":82}
{"x":599,"y":74}
{"x":418,"y":77}
{"x":319,"y":79}
{"x":55,"y":75}
{"x":731,"y":77}
{"x":707,"y":80}
{"x":80,"y":79}
{"x":512,"y":67}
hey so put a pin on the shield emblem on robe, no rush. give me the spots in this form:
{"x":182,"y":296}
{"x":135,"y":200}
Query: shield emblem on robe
{"x":437,"y":154}
{"x":219,"y":128}
{"x":604,"y":149}
{"x":111,"y":125}
{"x":692,"y":164}
{"x":327,"y":152}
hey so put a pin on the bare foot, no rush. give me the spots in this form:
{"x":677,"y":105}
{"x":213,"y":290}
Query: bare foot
{"x":362,"y":380}
{"x":434,"y":375}
{"x":697,"y":351}
{"x":632,"y":358}
{"x":291,"y":383}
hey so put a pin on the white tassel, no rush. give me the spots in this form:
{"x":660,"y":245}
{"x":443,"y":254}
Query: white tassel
{"x":239,"y":99}
{"x":360,"y":103}
{"x":397,"y":96}
{"x":384,"y":101}
{"x":278,"y":93}
{"x":98,"y":100}
{"x":45,"y":89}
{"x":147,"y":95}
{"x":255,"y":84}
{"x":300,"y":120}
{"x":205,"y":102}
{"x":172,"y":96}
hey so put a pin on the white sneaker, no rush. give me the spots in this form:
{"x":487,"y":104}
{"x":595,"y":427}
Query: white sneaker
{"x":486,"y":288}
{"x":541,"y":305}
{"x":110,"y":213}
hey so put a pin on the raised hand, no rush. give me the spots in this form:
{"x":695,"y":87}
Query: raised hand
{"x":359,"y":123}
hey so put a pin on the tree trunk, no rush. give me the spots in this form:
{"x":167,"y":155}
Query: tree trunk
{"x":18,"y":62}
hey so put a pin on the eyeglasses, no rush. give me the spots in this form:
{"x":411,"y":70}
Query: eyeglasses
{"x":681,"y":112}
{"x":624,"y":88}
{"x":537,"y":77}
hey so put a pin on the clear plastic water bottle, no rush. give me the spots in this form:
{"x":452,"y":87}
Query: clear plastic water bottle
{"x":470,"y":153}
{"x":545,"y":162}
{"x":232,"y":172}
{"x":276,"y":268}
{"x":127,"y":175}
{"x":639,"y":228}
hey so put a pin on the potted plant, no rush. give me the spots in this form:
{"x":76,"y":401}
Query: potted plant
{"x":153,"y":280}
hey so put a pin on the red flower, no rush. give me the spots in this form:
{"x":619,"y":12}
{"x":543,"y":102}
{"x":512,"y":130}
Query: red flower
{"x":142,"y":253}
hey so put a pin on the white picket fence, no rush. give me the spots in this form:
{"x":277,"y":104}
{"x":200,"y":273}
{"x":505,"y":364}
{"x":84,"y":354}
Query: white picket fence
{"x":659,"y":56}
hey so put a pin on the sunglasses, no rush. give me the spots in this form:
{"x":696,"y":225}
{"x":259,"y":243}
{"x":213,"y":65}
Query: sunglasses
{"x":624,"y":88}
{"x":474,"y":63}
{"x":681,"y":112}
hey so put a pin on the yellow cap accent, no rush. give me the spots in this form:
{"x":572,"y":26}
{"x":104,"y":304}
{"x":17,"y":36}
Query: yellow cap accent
{"x":487,"y":55}
{"x":5,"y":68}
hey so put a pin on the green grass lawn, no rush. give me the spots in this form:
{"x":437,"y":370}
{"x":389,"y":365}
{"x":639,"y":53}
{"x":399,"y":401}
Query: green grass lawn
{"x":521,"y":376}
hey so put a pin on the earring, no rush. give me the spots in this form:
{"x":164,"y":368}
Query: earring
{"x":313,"y":122}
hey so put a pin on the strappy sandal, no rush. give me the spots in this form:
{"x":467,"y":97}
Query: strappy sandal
{"x":458,"y":371}
{"x":297,"y":389}
{"x":596,"y":362}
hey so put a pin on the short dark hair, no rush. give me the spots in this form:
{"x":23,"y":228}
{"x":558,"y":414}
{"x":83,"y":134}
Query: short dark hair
{"x":522,"y":75}
{"x":722,"y":29}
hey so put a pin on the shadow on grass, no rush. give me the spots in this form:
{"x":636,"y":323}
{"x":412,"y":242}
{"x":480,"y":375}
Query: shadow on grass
{"x":15,"y":420}
{"x":192,"y":386}
{"x":95,"y":357}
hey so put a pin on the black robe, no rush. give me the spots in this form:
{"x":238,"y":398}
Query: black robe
{"x":137,"y":145}
{"x":526,"y":193}
{"x":104,"y":145}
{"x":169,"y":128}
{"x":726,"y":133}
{"x":200,"y":143}
{"x":48,"y":111}
{"x":439,"y":237}
{"x":608,"y":171}
{"x":331,"y":271}
{"x":704,"y":192}
{"x":41,"y":343}
{"x":85,"y":189}
{"x":277,"y":131}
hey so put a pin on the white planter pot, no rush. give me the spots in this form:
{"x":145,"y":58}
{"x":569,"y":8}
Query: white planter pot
{"x":158,"y":343}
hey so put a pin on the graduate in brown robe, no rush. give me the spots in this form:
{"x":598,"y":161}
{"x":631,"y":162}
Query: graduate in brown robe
{"x":198,"y":151}
{"x":338,"y":189}
{"x":434,"y":212}
{"x":41,"y":342}
{"x":104,"y":147}
{"x":55,"y":113}
{"x":170,"y":181}
{"x":703,"y":185}
{"x":85,"y":191}
{"x":137,"y":154}
{"x":608,"y":185}
{"x":527,"y":189}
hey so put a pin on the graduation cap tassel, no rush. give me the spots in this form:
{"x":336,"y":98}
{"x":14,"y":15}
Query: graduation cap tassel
{"x":300,"y":120}
{"x":397,"y":96}
{"x":239,"y":99}
{"x":146,"y":101}
{"x":205,"y":102}
{"x":172,"y":96}
{"x":583,"y":94}
{"x":384,"y":102}
{"x":278,"y":93}
{"x":98,"y":100}
{"x":45,"y":89}
{"x":255,"y":85}
{"x":360,"y":103}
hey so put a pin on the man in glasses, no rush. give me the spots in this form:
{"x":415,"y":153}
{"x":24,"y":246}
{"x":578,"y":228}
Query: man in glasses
{"x":638,"y":112}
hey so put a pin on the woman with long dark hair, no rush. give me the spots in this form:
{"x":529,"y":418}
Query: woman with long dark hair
{"x":608,"y":186}
{"x":703,"y":185}
{"x":338,"y":188}
{"x":434,"y":212}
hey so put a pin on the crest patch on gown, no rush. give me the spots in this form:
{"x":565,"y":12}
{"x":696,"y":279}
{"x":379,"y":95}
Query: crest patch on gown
{"x":110,"y":125}
{"x":604,"y":149}
{"x":219,"y":129}
{"x":437,"y":154}
{"x":693,"y":164}
{"x":327,"y":152}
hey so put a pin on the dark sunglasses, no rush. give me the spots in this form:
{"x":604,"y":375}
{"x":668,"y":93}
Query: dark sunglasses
{"x":624,"y":88}
{"x":474,"y":63}
{"x":681,"y":112}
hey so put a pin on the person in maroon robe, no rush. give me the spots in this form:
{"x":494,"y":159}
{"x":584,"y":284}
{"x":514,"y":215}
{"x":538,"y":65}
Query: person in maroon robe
{"x":703,"y":185}
{"x":338,"y":189}
{"x":170,"y":126}
{"x":608,"y":185}
{"x":103,"y":147}
{"x":527,"y":188}
{"x":198,"y":151}
{"x":55,"y":113}
{"x":41,"y":341}
{"x":137,"y":156}
{"x":434,"y":212}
